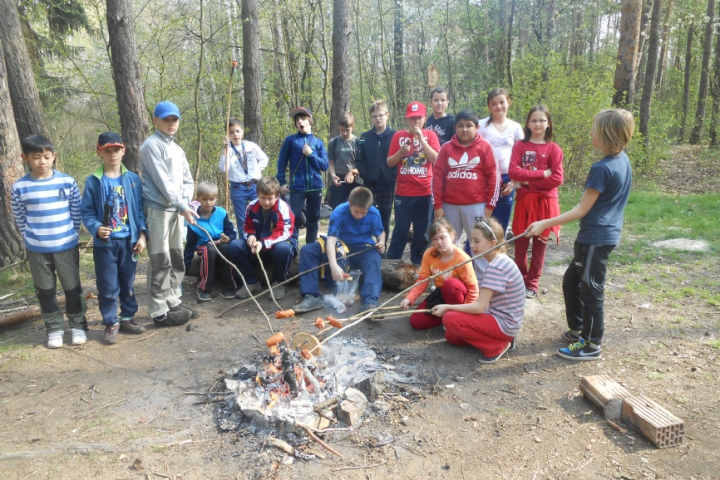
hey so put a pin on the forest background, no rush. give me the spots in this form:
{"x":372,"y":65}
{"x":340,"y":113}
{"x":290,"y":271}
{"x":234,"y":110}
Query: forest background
{"x":658,"y":58}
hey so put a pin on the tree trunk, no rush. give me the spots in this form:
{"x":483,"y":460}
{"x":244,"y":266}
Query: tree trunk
{"x":26,"y":106}
{"x":664,"y":44}
{"x":509,"y":44}
{"x":686,"y":82}
{"x":398,"y":55}
{"x":653,"y":49}
{"x":627,"y":53}
{"x":12,"y":247}
{"x":642,"y":45}
{"x":252,"y":114}
{"x":704,"y":75}
{"x":196,"y":96}
{"x":715,"y":91}
{"x":128,"y":80}
{"x":342,"y":29}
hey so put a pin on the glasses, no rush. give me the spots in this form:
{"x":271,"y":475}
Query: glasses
{"x":487,"y":227}
{"x":543,"y":120}
{"x":378,"y":115}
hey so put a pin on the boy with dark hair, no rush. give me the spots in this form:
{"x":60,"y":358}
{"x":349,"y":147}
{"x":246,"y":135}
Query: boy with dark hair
{"x":112,"y":211}
{"x":305,"y":156}
{"x":342,"y":153}
{"x":373,"y":148}
{"x":352,"y":224}
{"x":46,"y":206}
{"x":269,"y":229}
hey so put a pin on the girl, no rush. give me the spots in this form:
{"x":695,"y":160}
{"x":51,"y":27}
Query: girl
{"x":457,"y":286}
{"x":501,"y":133}
{"x":492,"y":322}
{"x":247,"y":161}
{"x":536,"y":163}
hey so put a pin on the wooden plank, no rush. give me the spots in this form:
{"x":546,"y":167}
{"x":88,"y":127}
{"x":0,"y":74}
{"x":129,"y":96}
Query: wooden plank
{"x":605,"y":394}
{"x":652,"y":420}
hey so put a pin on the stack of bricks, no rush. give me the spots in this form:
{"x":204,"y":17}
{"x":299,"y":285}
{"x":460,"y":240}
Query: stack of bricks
{"x":614,"y":402}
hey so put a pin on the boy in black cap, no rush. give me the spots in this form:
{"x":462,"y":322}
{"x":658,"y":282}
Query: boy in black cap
{"x":112,"y":211}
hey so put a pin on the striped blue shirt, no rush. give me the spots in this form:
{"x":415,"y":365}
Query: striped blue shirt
{"x":507,"y":304}
{"x":47,"y":212}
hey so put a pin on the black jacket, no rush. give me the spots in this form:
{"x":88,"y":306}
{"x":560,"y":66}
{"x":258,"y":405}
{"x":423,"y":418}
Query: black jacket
{"x":372,"y":159}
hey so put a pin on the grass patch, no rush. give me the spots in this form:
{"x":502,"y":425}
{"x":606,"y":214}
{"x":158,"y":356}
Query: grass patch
{"x":714,"y":344}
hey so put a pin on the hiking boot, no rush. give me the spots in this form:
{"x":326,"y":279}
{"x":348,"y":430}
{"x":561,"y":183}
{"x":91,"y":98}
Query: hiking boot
{"x":130,"y":326}
{"x":279,"y":291}
{"x":55,"y":339}
{"x":530,"y":293}
{"x":228,"y":293}
{"x":251,"y":288}
{"x":572,"y":336}
{"x":78,"y":336}
{"x":485,"y":360}
{"x":203,"y":296}
{"x":111,"y":334}
{"x":580,"y":351}
{"x":308,"y":304}
{"x":174,"y":317}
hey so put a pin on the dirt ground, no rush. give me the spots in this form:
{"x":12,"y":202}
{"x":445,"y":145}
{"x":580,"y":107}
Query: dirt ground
{"x":138,"y":410}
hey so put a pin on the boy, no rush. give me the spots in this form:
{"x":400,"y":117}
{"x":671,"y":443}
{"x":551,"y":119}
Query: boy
{"x":167,"y":187}
{"x":600,"y":212}
{"x":112,"y":211}
{"x":342,"y":153}
{"x":304,"y":154}
{"x":466,"y":179}
{"x":46,"y":206}
{"x":353,"y":224}
{"x":414,"y":152}
{"x":217,"y":222}
{"x":269,"y":229}
{"x":440,"y":122}
{"x":373,"y":148}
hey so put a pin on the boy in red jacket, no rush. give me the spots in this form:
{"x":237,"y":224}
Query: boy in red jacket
{"x":466,"y":183}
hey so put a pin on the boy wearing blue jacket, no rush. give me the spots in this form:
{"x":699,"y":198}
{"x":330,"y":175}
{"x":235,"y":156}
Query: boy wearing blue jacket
{"x":306,"y":157}
{"x":222,"y":233}
{"x":112,"y":211}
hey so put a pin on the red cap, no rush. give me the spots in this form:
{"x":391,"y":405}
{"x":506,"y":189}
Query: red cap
{"x":415,"y":109}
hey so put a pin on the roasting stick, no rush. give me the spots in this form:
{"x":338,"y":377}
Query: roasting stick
{"x":378,"y":316}
{"x":272,"y":294}
{"x":369,"y":313}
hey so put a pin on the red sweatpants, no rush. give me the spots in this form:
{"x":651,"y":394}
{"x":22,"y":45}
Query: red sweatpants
{"x":453,"y":291}
{"x":531,"y":276}
{"x":480,"y":331}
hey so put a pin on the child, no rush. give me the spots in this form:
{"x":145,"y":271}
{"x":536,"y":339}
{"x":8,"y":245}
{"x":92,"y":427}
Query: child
{"x":373,"y":148}
{"x":600,"y":212}
{"x":342,"y":152}
{"x":413,"y":151}
{"x":247,"y":161}
{"x":167,"y":187}
{"x":270,"y":229}
{"x":46,"y":206}
{"x":457,"y":286}
{"x":440,"y":122}
{"x":112,"y":211}
{"x":466,"y":180}
{"x":216,"y":221}
{"x":304,"y":154}
{"x":537,"y":164}
{"x":501,"y":133}
{"x":492,"y":322}
{"x":353,"y":224}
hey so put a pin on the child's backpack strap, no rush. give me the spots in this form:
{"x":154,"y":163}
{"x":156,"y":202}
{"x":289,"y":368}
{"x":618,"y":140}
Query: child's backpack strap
{"x":341,"y":251}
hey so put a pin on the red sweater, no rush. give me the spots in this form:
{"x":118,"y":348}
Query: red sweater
{"x":414,"y":172}
{"x":528,"y":164}
{"x":466,"y":175}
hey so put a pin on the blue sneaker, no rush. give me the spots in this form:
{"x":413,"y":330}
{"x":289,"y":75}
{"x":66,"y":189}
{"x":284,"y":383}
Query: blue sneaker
{"x":580,"y":351}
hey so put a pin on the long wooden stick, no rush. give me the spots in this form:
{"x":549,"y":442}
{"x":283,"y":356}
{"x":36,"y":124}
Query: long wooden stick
{"x":227,"y":134}
{"x":262,"y":267}
{"x":378,"y":316}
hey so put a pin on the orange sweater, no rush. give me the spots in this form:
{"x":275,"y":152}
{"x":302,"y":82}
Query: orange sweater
{"x":432,"y":265}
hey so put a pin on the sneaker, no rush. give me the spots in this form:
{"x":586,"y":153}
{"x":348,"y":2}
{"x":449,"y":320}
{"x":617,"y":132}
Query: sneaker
{"x":370,"y":306}
{"x":484,"y":359}
{"x":308,"y":304}
{"x":279,"y":291}
{"x":111,"y":334}
{"x":530,"y":293}
{"x":509,"y":234}
{"x":78,"y":336}
{"x":251,"y":288}
{"x":572,"y":336}
{"x":228,"y":293}
{"x":130,"y":326}
{"x":193,"y":313}
{"x":580,"y":351}
{"x":203,"y":296}
{"x":513,"y":345}
{"x":174,"y":317}
{"x":55,"y":339}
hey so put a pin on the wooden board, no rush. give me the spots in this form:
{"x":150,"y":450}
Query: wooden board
{"x":657,"y":424}
{"x":306,"y":341}
{"x":605,"y":394}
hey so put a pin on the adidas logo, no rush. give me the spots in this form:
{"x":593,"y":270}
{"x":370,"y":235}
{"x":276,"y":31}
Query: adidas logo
{"x":463,"y":163}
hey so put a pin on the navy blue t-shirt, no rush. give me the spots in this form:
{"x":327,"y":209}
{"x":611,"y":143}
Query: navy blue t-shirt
{"x":444,"y":127}
{"x":344,"y":226}
{"x":612,"y":177}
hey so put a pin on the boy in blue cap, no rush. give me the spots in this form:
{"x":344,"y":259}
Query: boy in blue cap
{"x":167,"y":187}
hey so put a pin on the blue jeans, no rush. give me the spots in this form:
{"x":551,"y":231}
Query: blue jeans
{"x":416,"y":211}
{"x":503,"y":208}
{"x":368,"y":263}
{"x":241,"y":196}
{"x":312,"y":211}
{"x":115,"y":278}
{"x":281,"y":255}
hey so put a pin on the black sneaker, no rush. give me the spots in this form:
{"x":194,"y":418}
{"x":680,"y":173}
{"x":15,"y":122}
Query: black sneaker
{"x":371,"y":306}
{"x":176,"y":316}
{"x":530,"y":293}
{"x":193,"y":313}
{"x":228,"y":293}
{"x":130,"y":326}
{"x":572,"y":336}
{"x":203,"y":296}
{"x":486,"y":360}
{"x":580,"y":351}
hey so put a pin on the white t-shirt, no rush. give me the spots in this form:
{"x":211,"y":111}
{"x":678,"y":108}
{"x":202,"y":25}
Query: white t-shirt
{"x":256,"y":159}
{"x":501,"y":142}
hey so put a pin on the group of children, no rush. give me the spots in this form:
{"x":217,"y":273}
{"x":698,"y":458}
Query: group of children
{"x":444,"y":175}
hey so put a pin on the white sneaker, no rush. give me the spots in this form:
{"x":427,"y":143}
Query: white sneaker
{"x":55,"y":339}
{"x":78,"y":336}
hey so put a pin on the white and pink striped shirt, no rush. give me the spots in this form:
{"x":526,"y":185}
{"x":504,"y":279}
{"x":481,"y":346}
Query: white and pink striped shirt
{"x":507,"y":304}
